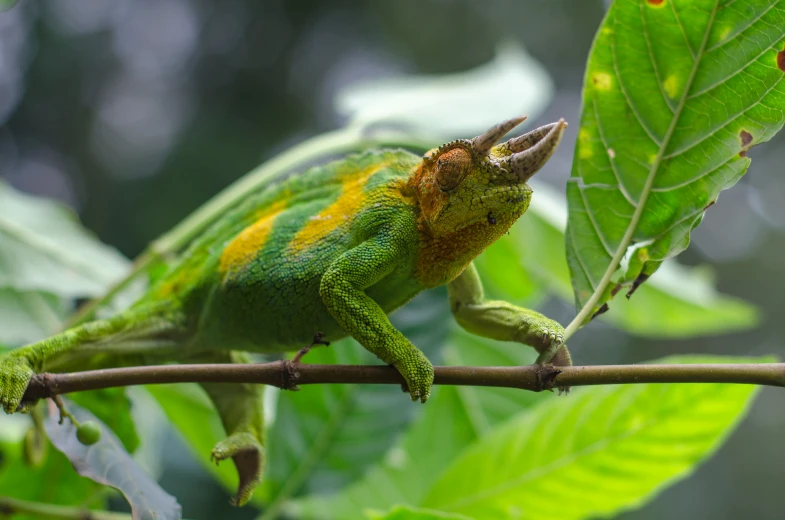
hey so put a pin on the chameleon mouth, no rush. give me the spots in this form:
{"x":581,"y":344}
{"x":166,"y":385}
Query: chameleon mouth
{"x":524,"y":155}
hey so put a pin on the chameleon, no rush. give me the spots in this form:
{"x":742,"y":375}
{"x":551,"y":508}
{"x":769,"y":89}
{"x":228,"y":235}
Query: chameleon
{"x":326,"y":253}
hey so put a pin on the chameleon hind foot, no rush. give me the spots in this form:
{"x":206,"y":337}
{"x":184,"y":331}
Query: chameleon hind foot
{"x":15,"y":375}
{"x":249,"y":459}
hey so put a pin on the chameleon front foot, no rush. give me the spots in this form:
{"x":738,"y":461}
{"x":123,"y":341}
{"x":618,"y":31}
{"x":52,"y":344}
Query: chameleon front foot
{"x":418,"y":373}
{"x":15,"y":375}
{"x":249,"y":459}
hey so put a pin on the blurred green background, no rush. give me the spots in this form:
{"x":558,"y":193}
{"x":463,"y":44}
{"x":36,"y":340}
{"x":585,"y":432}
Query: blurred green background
{"x":136,"y":112}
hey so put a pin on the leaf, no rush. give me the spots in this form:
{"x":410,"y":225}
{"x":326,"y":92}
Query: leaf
{"x":600,"y":451}
{"x":54,"y":481}
{"x":106,"y":462}
{"x":675,"y":94}
{"x":676,"y":302}
{"x":411,"y":513}
{"x":29,"y":316}
{"x":326,"y":436}
{"x":460,"y":415}
{"x":513,"y":83}
{"x":43,"y":247}
{"x":195,"y":418}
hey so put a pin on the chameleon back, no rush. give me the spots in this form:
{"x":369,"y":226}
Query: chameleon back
{"x":252,"y":281}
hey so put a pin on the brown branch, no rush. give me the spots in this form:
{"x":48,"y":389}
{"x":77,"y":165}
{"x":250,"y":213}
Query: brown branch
{"x":287,"y":375}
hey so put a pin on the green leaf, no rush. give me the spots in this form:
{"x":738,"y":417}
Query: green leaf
{"x":600,"y":451}
{"x":460,"y":415}
{"x":195,"y":418}
{"x":676,"y":302}
{"x":412,"y":513}
{"x":513,"y":83}
{"x":29,"y":316}
{"x":675,"y":94}
{"x":43,"y":247}
{"x":106,"y":462}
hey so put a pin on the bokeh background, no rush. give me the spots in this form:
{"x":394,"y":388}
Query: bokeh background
{"x":136,"y":112}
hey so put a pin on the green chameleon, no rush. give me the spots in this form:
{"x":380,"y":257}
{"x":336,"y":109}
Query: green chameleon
{"x":327,"y":253}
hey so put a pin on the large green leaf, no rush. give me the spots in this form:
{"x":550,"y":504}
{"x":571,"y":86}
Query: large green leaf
{"x":460,"y":415}
{"x":414,"y":513}
{"x":43,"y":247}
{"x":677,"y":301}
{"x":676,"y":92}
{"x":602,"y":450}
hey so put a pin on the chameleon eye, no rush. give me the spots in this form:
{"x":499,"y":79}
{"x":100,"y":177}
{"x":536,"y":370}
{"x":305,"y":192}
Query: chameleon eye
{"x":451,"y":168}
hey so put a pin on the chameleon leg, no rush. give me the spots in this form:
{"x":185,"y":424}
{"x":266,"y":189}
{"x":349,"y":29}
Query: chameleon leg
{"x":342,"y":290}
{"x":128,"y":333}
{"x":240,"y":407}
{"x":501,"y":320}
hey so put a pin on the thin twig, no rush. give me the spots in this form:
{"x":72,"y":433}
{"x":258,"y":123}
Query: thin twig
{"x":284,"y":374}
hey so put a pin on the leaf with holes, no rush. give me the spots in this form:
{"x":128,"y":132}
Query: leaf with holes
{"x":43,"y":247}
{"x":603,"y":450}
{"x":675,"y":94}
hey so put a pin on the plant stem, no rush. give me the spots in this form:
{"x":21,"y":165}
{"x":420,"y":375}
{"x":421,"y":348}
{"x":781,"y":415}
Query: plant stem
{"x":11,"y":506}
{"x":286,"y":375}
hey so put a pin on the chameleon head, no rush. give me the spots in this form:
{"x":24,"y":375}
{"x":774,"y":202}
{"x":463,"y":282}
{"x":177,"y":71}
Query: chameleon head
{"x":468,"y":181}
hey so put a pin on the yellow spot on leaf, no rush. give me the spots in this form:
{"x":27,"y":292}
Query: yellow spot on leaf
{"x":601,"y":80}
{"x":584,"y":144}
{"x":246,"y":245}
{"x":672,"y":86}
{"x":348,"y":204}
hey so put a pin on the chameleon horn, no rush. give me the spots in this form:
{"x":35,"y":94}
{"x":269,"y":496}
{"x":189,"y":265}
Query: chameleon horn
{"x":483,"y":143}
{"x":524,"y":164}
{"x":529,"y":139}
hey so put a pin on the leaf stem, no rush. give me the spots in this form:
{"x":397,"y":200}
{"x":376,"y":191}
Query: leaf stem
{"x":11,"y":506}
{"x":285,"y":375}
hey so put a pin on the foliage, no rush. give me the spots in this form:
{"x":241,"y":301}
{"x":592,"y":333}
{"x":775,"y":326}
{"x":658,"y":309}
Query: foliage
{"x":106,"y":461}
{"x":675,"y":95}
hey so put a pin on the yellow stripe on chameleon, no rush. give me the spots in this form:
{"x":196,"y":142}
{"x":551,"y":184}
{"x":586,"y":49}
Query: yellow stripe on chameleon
{"x":246,"y":245}
{"x":348,"y":204}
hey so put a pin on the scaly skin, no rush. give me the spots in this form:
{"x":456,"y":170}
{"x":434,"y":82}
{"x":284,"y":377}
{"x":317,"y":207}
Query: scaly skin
{"x":331,"y":251}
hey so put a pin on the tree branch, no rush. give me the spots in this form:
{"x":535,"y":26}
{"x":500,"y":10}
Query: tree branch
{"x":288,"y":375}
